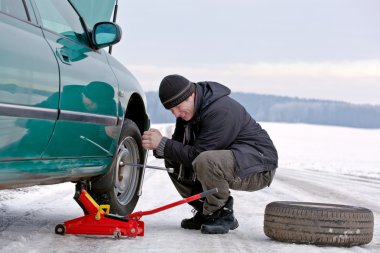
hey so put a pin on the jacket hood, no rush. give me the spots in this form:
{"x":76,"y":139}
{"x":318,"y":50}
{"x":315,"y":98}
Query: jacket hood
{"x":209,"y":92}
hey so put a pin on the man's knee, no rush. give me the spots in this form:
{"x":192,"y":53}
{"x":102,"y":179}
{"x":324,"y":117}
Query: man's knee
{"x":203,"y":159}
{"x":202,"y":164}
{"x":210,"y":163}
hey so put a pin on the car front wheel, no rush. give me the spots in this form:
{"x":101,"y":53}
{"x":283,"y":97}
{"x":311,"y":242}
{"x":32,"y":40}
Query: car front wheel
{"x":123,"y":179}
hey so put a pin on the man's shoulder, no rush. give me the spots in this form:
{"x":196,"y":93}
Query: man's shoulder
{"x":225,"y":106}
{"x":226,"y":102}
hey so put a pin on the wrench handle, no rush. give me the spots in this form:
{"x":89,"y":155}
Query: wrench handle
{"x":209,"y":192}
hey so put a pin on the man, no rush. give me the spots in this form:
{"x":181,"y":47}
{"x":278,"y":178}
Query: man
{"x":215,"y":144}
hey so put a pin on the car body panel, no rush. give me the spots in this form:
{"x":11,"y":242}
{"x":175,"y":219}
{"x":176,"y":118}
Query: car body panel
{"x":88,"y":102}
{"x":63,"y":101}
{"x":88,"y":98}
{"x":24,"y":84}
{"x":31,"y":172}
{"x":128,"y":84}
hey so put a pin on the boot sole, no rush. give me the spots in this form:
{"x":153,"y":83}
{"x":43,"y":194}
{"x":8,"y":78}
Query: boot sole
{"x":192,"y":228}
{"x":212,"y":229}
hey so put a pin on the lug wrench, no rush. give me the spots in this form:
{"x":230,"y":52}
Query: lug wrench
{"x":170,"y":170}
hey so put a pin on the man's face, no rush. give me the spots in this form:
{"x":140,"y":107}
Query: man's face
{"x":186,"y":109}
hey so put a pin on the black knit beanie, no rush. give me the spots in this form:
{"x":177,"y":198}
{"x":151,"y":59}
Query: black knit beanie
{"x":174,"y":89}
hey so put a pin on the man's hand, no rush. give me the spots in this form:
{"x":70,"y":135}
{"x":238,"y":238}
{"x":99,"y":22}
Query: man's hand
{"x":151,"y":139}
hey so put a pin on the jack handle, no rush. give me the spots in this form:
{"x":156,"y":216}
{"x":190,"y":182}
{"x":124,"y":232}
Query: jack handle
{"x":139,"y":214}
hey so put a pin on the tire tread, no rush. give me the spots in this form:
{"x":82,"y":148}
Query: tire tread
{"x":318,"y":223}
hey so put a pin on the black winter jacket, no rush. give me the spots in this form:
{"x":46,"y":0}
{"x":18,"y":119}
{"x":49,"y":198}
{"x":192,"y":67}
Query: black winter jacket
{"x":221,"y":123}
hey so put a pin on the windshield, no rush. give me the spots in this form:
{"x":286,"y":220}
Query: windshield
{"x":94,"y":11}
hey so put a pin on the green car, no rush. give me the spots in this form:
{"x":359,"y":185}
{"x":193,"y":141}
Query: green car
{"x":69,"y":111}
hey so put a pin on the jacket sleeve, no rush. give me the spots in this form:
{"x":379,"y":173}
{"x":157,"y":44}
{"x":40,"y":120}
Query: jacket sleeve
{"x":218,"y":128}
{"x":177,"y":136}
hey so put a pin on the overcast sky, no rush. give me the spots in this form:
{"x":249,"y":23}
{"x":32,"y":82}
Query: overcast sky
{"x":327,"y":49}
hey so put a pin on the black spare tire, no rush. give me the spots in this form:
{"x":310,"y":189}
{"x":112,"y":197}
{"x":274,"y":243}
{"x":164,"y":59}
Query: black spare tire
{"x":318,"y":223}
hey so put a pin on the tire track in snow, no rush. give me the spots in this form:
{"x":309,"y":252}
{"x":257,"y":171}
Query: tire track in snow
{"x":332,"y":187}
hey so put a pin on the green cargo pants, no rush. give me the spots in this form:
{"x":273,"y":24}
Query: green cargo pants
{"x":216,"y":169}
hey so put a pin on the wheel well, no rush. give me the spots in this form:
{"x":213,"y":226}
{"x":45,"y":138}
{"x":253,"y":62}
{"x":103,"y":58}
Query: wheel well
{"x":136,"y":112}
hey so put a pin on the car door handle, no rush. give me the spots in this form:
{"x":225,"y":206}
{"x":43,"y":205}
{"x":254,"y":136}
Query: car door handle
{"x":63,"y":56}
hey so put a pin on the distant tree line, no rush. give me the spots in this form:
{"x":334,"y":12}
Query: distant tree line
{"x":269,"y":108}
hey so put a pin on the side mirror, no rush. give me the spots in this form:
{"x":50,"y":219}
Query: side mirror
{"x":105,"y":34}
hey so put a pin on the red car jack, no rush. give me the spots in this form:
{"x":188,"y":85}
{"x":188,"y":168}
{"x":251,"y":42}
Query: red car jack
{"x":98,"y":221}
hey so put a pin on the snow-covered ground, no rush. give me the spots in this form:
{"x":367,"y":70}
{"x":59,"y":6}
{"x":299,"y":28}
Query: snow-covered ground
{"x":317,"y":164}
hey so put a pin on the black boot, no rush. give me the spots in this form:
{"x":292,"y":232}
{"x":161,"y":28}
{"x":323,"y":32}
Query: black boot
{"x":198,"y":219}
{"x":221,"y":221}
{"x":195,"y":222}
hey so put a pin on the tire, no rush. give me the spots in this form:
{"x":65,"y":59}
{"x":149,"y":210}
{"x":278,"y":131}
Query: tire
{"x":120,"y":185}
{"x":318,"y":223}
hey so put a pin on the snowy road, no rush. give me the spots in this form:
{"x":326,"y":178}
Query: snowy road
{"x":309,"y":171}
{"x":28,"y":216}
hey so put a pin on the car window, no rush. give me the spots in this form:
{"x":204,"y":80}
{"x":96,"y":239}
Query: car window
{"x":60,"y":17}
{"x":94,"y":11}
{"x":15,"y":8}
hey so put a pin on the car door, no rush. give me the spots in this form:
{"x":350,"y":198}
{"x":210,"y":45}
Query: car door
{"x":29,"y":84}
{"x":88,"y":91}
